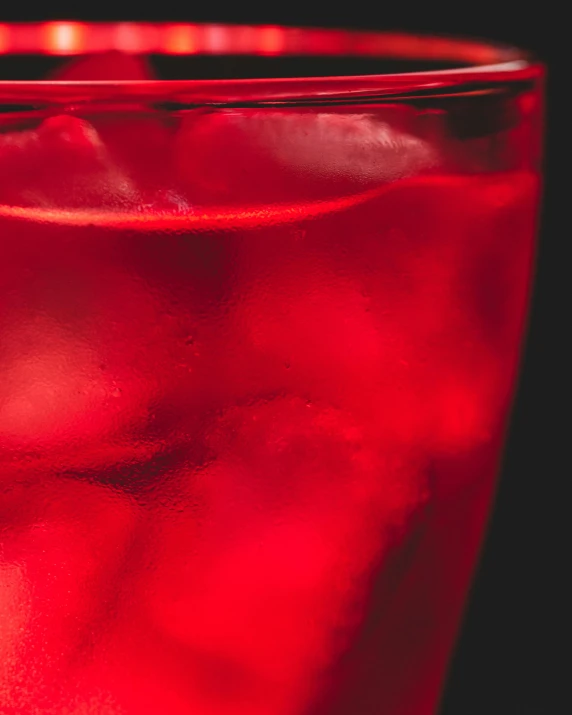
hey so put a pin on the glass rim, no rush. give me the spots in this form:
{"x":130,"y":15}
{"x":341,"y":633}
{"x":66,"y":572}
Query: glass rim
{"x":482,"y":65}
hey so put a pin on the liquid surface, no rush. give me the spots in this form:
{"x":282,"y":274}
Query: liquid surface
{"x":255,"y":368}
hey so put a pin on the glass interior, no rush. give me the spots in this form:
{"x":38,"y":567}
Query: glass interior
{"x":256,"y":363}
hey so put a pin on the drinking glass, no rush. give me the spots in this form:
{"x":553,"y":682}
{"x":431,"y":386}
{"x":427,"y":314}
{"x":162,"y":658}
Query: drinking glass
{"x":262,"y":296}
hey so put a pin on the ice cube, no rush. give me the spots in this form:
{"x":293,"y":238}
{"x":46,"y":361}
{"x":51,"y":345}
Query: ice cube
{"x":258,"y":156}
{"x":63,"y":163}
{"x":58,"y":568}
{"x":299,"y":324}
{"x":141,"y":141}
{"x":137,"y":138}
{"x":115,"y":162}
{"x":260,"y":565}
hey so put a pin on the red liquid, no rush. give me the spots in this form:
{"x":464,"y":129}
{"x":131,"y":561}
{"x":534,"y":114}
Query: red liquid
{"x":254,"y":387}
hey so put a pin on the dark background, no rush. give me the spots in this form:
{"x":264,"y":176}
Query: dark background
{"x":510,"y":660}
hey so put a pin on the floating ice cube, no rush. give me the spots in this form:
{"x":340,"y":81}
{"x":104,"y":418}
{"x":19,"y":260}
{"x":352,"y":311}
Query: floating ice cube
{"x":291,"y":514}
{"x":62,"y":163}
{"x":270,"y":155}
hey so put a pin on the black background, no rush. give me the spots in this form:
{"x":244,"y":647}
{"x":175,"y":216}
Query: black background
{"x":510,"y":660}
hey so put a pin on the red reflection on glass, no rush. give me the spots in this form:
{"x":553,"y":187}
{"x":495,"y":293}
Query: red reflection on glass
{"x":271,"y":40}
{"x":180,"y":40}
{"x":4,"y":39}
{"x":216,"y":39}
{"x":64,"y":38}
{"x":128,"y":38}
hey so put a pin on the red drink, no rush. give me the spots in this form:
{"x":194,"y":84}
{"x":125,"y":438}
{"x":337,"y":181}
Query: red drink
{"x":256,"y":367}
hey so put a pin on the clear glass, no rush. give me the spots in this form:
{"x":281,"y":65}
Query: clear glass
{"x":260,"y":327}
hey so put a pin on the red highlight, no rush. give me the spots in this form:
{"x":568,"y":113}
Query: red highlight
{"x":180,"y":40}
{"x":216,"y":39}
{"x":4,"y":39}
{"x":271,"y":41}
{"x":70,"y":37}
{"x":64,"y":38}
{"x":127,"y":38}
